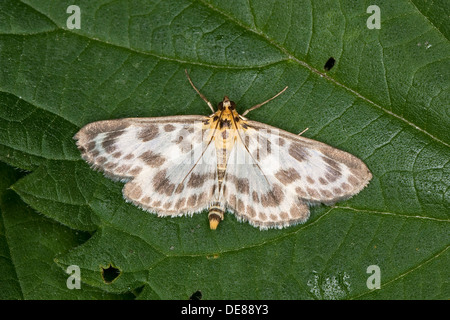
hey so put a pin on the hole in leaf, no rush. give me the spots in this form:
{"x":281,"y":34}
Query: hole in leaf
{"x":197,"y":295}
{"x":110,"y":274}
{"x":329,"y":64}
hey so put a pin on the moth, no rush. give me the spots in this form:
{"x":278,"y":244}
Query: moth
{"x":224,"y":162}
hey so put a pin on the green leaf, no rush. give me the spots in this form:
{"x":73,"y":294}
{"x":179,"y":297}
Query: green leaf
{"x":29,"y":243}
{"x":385,"y":101}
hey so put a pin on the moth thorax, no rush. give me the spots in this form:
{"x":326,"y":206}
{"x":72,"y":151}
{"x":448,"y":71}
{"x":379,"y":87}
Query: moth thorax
{"x":216,"y":214}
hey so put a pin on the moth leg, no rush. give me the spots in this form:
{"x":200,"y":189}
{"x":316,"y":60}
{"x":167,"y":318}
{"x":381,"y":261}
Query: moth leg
{"x":303,"y":132}
{"x":263,"y":103}
{"x":199,"y":93}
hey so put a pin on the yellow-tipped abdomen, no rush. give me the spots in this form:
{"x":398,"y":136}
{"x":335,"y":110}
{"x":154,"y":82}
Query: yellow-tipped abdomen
{"x":215,"y":215}
{"x":213,"y":223}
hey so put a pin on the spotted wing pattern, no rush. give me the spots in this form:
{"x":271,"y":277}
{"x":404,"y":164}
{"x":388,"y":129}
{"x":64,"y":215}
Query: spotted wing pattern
{"x":273,"y":176}
{"x":166,"y":163}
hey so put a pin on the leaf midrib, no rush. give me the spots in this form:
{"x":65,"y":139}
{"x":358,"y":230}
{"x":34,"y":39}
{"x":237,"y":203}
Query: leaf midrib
{"x":288,"y":233}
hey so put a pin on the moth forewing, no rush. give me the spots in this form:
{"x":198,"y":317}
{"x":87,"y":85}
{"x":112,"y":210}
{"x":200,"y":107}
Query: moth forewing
{"x":319,"y":172}
{"x":158,"y":157}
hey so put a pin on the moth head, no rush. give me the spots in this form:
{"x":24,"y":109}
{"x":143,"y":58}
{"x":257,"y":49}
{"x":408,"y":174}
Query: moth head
{"x":227,"y":105}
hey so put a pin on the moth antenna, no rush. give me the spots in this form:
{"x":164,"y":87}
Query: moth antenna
{"x":263,"y":103}
{"x":199,"y":93}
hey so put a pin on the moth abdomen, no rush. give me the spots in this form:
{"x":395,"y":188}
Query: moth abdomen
{"x":216,"y":214}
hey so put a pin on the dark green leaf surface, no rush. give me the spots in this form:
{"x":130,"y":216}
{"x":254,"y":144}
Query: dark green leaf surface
{"x":29,"y":243}
{"x":385,"y":101}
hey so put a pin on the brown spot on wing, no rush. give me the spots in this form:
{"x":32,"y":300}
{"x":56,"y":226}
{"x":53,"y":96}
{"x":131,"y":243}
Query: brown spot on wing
{"x":148,"y":133}
{"x":117,"y":154}
{"x":90,"y":146}
{"x":264,"y":148}
{"x":156,"y":204}
{"x":109,"y":141}
{"x":273,"y":198}
{"x":132,"y":191}
{"x":179,"y":140}
{"x":298,"y":152}
{"x":179,"y":189}
{"x":152,"y":159}
{"x":232,"y":201}
{"x":196,"y":180}
{"x":284,"y":215}
{"x":301,"y":192}
{"x":355,"y":165}
{"x":146,"y":200}
{"x":100,"y":160}
{"x":353,"y":181}
{"x":136,"y":171}
{"x":331,"y":163}
{"x":201,"y":198}
{"x":345,"y":186}
{"x":247,"y":140}
{"x":159,"y":177}
{"x":326,"y":193}
{"x":92,"y":130}
{"x":161,"y":183}
{"x":310,"y":180}
{"x":255,"y":197}
{"x":332,"y":174}
{"x":240,"y":206}
{"x":169,"y":127}
{"x":95,"y":153}
{"x":287,"y":176}
{"x":110,"y":165}
{"x":180,"y":203}
{"x":192,"y":200}
{"x":114,"y":134}
{"x":168,"y":188}
{"x":299,"y":211}
{"x":109,"y":146}
{"x":313,"y":193}
{"x":251,"y":212}
{"x":242,"y":185}
{"x":122,"y":169}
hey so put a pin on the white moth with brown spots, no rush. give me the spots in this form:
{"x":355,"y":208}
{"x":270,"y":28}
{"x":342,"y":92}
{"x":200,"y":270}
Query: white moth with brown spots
{"x":181,"y":165}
